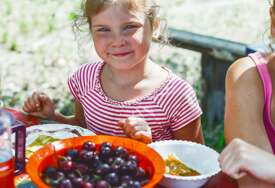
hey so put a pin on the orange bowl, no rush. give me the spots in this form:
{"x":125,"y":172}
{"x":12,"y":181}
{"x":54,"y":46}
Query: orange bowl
{"x":150,"y":160}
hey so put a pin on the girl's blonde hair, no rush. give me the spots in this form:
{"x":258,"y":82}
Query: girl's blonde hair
{"x":91,"y":8}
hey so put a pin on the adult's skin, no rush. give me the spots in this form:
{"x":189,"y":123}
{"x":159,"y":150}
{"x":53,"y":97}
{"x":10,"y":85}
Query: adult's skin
{"x":244,"y":119}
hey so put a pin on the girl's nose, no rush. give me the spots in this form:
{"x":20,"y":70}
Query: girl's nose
{"x":118,"y":40}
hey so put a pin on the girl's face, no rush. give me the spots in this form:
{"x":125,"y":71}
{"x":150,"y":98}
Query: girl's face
{"x":121,"y":38}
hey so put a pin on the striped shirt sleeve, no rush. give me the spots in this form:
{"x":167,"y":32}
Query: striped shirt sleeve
{"x":82,"y":80}
{"x":186,"y":109}
{"x":74,"y":86}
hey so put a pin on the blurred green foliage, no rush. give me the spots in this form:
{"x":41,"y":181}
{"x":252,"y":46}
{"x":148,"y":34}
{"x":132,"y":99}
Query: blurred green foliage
{"x":72,"y":16}
{"x":213,"y":135}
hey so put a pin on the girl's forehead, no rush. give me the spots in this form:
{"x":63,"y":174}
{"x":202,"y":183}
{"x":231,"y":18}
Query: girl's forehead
{"x":115,"y":12}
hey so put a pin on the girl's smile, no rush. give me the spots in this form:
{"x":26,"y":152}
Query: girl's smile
{"x":121,"y":55}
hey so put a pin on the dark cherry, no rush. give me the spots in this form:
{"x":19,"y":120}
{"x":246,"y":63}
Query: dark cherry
{"x":77,"y":182}
{"x":140,"y":174}
{"x":116,"y":165}
{"x":110,"y":160}
{"x":65,"y":165}
{"x":73,"y":153}
{"x":82,"y":168}
{"x":71,"y":175}
{"x":126,"y":178}
{"x":129,"y":167}
{"x":82,"y":154}
{"x":118,"y":161}
{"x":136,"y":184}
{"x":88,"y":156}
{"x":66,"y":183}
{"x":89,"y":146}
{"x":96,"y":161}
{"x":50,"y":171}
{"x":133,"y":158}
{"x":102,"y":184}
{"x":103,"y":169}
{"x":88,"y":184}
{"x":121,"y":152}
{"x":106,"y":144}
{"x":112,"y":178}
{"x":59,"y":175}
{"x":105,"y":152}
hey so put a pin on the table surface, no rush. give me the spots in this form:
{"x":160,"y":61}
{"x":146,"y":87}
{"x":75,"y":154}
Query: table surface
{"x":23,"y":180}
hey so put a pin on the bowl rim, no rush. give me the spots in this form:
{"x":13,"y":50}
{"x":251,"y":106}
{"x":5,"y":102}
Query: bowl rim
{"x":36,"y":158}
{"x":187,"y":178}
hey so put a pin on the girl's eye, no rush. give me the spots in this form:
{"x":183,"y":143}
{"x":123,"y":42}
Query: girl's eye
{"x":103,"y":29}
{"x":130,"y":27}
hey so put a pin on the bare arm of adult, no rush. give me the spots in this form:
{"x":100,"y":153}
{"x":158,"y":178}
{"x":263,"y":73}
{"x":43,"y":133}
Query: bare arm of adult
{"x":239,"y":158}
{"x":40,"y":105}
{"x":243,"y":111}
{"x":191,"y":132}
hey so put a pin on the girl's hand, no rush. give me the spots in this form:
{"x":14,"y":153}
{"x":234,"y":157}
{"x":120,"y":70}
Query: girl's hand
{"x":136,"y":128}
{"x":40,"y":105}
{"x":240,"y":158}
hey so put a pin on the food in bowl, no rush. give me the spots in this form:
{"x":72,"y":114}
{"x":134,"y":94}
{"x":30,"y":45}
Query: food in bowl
{"x":176,"y":167}
{"x":96,"y":165}
{"x":196,"y":156}
{"x":53,"y":155}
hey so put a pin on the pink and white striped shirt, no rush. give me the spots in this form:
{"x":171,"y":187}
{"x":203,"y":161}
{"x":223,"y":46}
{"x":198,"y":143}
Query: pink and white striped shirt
{"x":169,"y":108}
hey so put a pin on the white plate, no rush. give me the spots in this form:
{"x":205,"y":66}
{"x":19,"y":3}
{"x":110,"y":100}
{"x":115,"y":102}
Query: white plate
{"x":58,"y":131}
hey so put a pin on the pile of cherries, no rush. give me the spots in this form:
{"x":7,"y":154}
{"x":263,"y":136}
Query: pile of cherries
{"x":104,"y":166}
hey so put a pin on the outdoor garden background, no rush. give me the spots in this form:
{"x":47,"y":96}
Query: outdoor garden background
{"x":38,"y":50}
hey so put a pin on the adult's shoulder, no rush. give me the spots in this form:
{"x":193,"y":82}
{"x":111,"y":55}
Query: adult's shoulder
{"x":244,"y":102}
{"x":240,"y":67}
{"x":242,"y":72}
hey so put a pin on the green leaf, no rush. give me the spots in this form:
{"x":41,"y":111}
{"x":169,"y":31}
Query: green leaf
{"x":72,"y":16}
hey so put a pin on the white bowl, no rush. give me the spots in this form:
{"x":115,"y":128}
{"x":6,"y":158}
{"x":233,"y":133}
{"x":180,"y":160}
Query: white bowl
{"x":196,"y":156}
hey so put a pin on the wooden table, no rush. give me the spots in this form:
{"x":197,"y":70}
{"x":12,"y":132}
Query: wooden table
{"x":221,"y":180}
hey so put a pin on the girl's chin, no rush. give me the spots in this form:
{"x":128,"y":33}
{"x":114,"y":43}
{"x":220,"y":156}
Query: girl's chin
{"x":122,"y":57}
{"x":121,"y":65}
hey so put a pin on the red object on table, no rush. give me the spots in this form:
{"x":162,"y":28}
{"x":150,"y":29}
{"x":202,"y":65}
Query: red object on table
{"x":27,"y":120}
{"x":7,"y":173}
{"x":221,"y":180}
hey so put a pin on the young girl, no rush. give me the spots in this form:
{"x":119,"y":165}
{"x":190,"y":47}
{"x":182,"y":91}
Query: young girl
{"x":250,"y":117}
{"x":126,"y":93}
